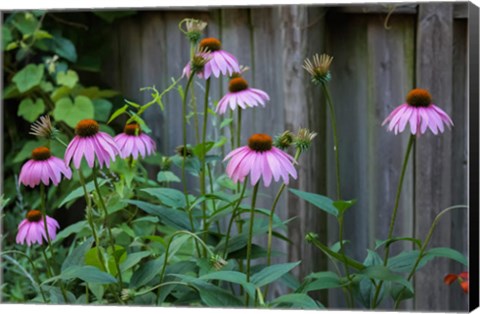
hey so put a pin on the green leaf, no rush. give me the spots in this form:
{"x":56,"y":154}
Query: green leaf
{"x":145,"y":273}
{"x":94,"y":92}
{"x":381,"y":272}
{"x":365,"y":288}
{"x":70,"y":78}
{"x":102,"y":109}
{"x":88,"y":274}
{"x":231,"y":276}
{"x":225,"y":122}
{"x":167,"y":176}
{"x":170,"y":217}
{"x":322,"y":280}
{"x":72,"y":113}
{"x":28,"y":77}
{"x":448,"y":253}
{"x":26,"y":151}
{"x":64,"y":48}
{"x":25,"y":22}
{"x":296,"y":300}
{"x":117,"y":113}
{"x":30,"y":110}
{"x":320,"y":201}
{"x":336,"y":246}
{"x":78,"y":192}
{"x":169,"y":197}
{"x":202,"y":149}
{"x":41,"y":34}
{"x":75,"y":228}
{"x":379,"y":243}
{"x":77,"y":257}
{"x":271,"y":273}
{"x":133,"y":259}
{"x":6,"y":37}
{"x":342,"y":206}
{"x":60,"y":92}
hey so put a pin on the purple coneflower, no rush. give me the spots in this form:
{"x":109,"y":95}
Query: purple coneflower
{"x":133,"y":142}
{"x":89,"y":142}
{"x":241,"y":95}
{"x":43,"y":167}
{"x":420,"y":113}
{"x":219,"y":61}
{"x":32,"y":228}
{"x":260,"y":159}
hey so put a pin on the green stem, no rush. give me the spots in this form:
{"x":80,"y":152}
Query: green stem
{"x":234,"y":214}
{"x":270,"y":221}
{"x":250,"y":235}
{"x":203,"y":160}
{"x":43,"y":198}
{"x":342,"y":251}
{"x":105,"y":222}
{"x":394,"y":214}
{"x":424,"y":246}
{"x":335,"y":137}
{"x":239,"y":126}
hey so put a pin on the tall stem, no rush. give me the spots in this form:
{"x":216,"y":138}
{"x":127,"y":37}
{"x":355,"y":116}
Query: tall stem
{"x":43,"y":198}
{"x":335,"y":137}
{"x":270,"y":221}
{"x":203,"y":160}
{"x":394,"y":214}
{"x":250,"y":235}
{"x":239,"y":126}
{"x":234,"y":214}
{"x":105,"y":222}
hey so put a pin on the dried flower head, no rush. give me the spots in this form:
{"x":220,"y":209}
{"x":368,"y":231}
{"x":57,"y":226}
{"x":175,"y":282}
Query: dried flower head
{"x":199,"y":59}
{"x":217,"y":262}
{"x":304,"y":139}
{"x":43,"y":128}
{"x":319,"y":68}
{"x":284,"y":140}
{"x":194,"y":28}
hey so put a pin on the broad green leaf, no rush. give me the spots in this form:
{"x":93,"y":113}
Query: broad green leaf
{"x":88,"y":274}
{"x":448,"y":253}
{"x":379,"y":243}
{"x":320,"y":201}
{"x":231,"y":276}
{"x":170,"y":217}
{"x":271,"y":273}
{"x":70,"y":78}
{"x":296,"y":300}
{"x":42,"y":34}
{"x":336,"y":246}
{"x":381,"y":272}
{"x":30,"y":110}
{"x":344,"y":259}
{"x":64,"y":48}
{"x":72,"y":229}
{"x":25,"y":22}
{"x":167,"y":176}
{"x":77,"y":257}
{"x":60,"y":93}
{"x":169,"y":197}
{"x":202,"y":149}
{"x":78,"y":192}
{"x":6,"y":37}
{"x":28,"y":77}
{"x":146,"y":272}
{"x":322,"y":280}
{"x":92,"y":259}
{"x":133,"y":259}
{"x":72,"y":113}
{"x":366,"y":289}
{"x":102,"y":109}
{"x":26,"y":151}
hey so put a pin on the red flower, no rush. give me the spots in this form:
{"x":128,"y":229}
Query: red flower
{"x":462,"y":278}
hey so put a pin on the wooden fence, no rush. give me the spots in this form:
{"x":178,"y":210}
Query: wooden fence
{"x":380,"y":53}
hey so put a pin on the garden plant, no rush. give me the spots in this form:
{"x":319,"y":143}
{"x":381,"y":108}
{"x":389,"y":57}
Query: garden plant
{"x":186,"y":235}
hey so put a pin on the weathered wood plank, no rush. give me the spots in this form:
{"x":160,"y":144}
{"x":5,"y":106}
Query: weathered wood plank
{"x":434,"y":153}
{"x":459,"y":218}
{"x":300,"y":39}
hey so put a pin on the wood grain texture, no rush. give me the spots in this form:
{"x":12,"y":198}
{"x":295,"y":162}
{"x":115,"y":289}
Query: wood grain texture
{"x":433,"y":160}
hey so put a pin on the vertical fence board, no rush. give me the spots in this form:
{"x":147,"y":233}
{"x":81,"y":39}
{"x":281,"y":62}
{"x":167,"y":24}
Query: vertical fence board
{"x":459,"y":218}
{"x":434,"y":153}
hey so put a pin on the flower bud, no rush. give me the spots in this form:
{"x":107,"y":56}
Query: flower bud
{"x":304,"y":138}
{"x":284,"y":140}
